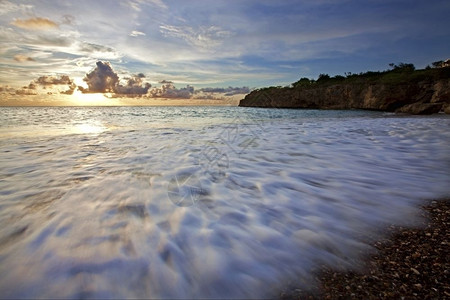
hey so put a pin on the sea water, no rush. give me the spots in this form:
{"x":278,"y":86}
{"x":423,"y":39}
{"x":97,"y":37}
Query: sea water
{"x":191,"y":202}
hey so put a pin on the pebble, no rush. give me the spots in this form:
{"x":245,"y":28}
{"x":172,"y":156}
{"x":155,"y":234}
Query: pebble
{"x":393,"y":273}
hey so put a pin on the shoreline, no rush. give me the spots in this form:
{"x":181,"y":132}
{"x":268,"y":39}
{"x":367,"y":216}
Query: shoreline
{"x":409,"y":263}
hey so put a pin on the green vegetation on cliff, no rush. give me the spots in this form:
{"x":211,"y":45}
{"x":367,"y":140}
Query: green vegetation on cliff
{"x":401,"y":88}
{"x":400,"y":73}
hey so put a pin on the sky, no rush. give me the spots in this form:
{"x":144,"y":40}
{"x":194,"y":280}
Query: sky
{"x":206,"y":51}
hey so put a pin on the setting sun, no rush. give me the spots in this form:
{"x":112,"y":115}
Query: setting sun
{"x":88,"y":99}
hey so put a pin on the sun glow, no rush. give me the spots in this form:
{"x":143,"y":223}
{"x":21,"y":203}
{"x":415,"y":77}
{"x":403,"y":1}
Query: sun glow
{"x":96,"y":99}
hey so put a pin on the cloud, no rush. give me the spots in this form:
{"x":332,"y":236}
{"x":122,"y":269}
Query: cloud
{"x":25,"y":91}
{"x":89,"y":47}
{"x":22,"y":58}
{"x":51,"y":80}
{"x":136,"y":4}
{"x":6,"y":89}
{"x":168,"y":90}
{"x":68,"y":20}
{"x":48,"y":82}
{"x":134,"y":86}
{"x":71,"y":89}
{"x":135,"y":33}
{"x":48,"y":85}
{"x":157,"y":3}
{"x":35,"y":24}
{"x":208,"y":97}
{"x":103,"y":79}
{"x":49,"y":40}
{"x":229,"y":91}
{"x":7,"y":7}
{"x":98,"y":51}
{"x":202,"y":37}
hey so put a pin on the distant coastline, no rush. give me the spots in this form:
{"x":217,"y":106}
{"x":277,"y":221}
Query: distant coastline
{"x":402,"y":89}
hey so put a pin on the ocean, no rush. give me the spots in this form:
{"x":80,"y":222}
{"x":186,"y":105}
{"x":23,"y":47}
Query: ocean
{"x":212,"y":202}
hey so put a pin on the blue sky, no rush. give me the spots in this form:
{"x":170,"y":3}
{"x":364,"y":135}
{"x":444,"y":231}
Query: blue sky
{"x":218,"y":43}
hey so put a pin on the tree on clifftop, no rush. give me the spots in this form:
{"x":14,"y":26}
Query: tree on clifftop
{"x":402,"y":67}
{"x":323,"y":77}
{"x":303,"y":82}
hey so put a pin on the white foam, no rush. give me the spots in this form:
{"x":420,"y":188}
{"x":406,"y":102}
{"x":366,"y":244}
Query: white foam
{"x":234,"y":205}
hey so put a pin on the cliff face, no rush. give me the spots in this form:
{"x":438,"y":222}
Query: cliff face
{"x":417,"y":97}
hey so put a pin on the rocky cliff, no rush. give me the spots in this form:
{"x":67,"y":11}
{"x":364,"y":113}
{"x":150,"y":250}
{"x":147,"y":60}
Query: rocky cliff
{"x":418,"y":92}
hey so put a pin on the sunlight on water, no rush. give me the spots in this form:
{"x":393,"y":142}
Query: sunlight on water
{"x":88,"y":128}
{"x":192,"y":202}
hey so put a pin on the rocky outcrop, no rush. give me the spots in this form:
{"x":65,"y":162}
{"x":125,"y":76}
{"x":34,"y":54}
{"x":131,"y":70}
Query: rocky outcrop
{"x":426,"y":96}
{"x":421,"y":108}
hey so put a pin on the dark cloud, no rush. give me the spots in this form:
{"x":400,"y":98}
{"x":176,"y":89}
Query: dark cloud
{"x":166,"y":82}
{"x":7,"y":89}
{"x":51,"y":80}
{"x":103,"y":79}
{"x":135,"y":86}
{"x":48,"y":82}
{"x":26,"y":91}
{"x":71,"y":89}
{"x":229,"y":91}
{"x":208,"y":97}
{"x":168,"y":90}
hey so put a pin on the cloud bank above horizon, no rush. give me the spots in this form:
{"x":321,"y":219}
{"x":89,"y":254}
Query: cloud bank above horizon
{"x":104,"y":80}
{"x":211,"y":45}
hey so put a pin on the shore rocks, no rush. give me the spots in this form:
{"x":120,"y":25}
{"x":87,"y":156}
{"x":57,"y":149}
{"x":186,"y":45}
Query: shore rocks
{"x":447,"y":109}
{"x":421,"y":108}
{"x":411,"y":263}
